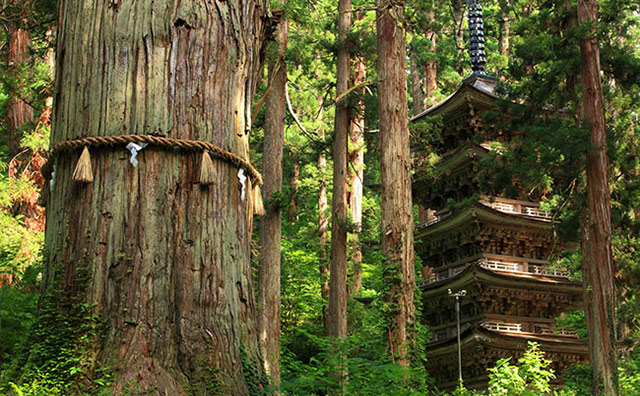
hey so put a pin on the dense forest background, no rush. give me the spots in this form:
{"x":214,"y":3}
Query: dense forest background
{"x":533,"y":49}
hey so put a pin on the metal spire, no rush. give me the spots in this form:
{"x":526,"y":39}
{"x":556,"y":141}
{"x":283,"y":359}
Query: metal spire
{"x":476,"y":37}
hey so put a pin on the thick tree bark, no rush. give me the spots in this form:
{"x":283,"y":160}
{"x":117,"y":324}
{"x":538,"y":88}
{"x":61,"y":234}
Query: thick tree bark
{"x":167,"y":261}
{"x":271,"y":224}
{"x":356,"y":178}
{"x":597,"y":260}
{"x":18,"y":110}
{"x":338,"y":269}
{"x":397,"y":213}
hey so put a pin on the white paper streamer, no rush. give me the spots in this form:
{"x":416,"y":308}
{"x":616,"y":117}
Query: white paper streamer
{"x":135,"y":148}
{"x":243,"y":181}
{"x":52,"y":182}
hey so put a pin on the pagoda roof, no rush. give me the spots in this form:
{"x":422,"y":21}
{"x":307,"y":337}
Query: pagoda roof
{"x":476,"y":90}
{"x":459,"y":157}
{"x":507,"y":340}
{"x":474,"y":273}
{"x":480,"y":212}
{"x":481,"y":346}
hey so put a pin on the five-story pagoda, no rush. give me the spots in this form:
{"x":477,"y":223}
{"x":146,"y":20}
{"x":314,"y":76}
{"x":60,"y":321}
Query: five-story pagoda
{"x":497,"y":248}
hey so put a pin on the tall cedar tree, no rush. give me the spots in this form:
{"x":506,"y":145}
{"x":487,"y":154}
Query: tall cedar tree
{"x":356,"y":176}
{"x":19,"y":111}
{"x":162,"y":260}
{"x":597,"y":260}
{"x":271,"y":222}
{"x":397,"y":214}
{"x":338,"y":269}
{"x":323,"y":228}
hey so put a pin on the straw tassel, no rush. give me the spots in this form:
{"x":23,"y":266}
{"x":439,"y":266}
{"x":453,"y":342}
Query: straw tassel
{"x":256,"y":199}
{"x":83,"y":172}
{"x":206,"y":175}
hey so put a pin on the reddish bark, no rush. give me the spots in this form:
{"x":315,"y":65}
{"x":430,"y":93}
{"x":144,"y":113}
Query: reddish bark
{"x":397,"y":212}
{"x":356,"y":179}
{"x":431,"y":69}
{"x":19,"y":111}
{"x":597,"y":263}
{"x":167,"y":261}
{"x":338,"y":268}
{"x":271,"y":225}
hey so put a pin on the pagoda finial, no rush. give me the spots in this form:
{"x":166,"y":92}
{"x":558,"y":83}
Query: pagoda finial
{"x":476,"y":37}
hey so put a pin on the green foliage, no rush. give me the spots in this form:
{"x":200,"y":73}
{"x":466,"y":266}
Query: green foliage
{"x":575,"y":320}
{"x":309,"y":359}
{"x":530,"y":377}
{"x":20,"y":247}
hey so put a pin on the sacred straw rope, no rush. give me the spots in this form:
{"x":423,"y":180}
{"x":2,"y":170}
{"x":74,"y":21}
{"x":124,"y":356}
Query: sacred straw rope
{"x":183,"y":144}
{"x":83,"y":172}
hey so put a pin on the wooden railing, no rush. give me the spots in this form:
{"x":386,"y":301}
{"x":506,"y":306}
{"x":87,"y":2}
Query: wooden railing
{"x":516,"y":207}
{"x":429,"y":222}
{"x":501,"y":265}
{"x":559,"y":331}
{"x":514,"y":327}
{"x":498,"y":265}
{"x":542,"y":270}
{"x":501,"y":326}
{"x":518,"y":328}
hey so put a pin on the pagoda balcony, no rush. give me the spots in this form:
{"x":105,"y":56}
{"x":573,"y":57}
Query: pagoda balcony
{"x":528,"y":328}
{"x":504,"y":205}
{"x":434,"y":218}
{"x":515,"y":265}
{"x":513,"y":328}
{"x":516,"y":207}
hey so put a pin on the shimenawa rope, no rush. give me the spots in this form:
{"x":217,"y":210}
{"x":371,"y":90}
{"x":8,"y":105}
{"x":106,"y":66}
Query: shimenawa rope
{"x":83,"y":172}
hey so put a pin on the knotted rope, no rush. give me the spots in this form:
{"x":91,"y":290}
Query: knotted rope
{"x":83,"y":169}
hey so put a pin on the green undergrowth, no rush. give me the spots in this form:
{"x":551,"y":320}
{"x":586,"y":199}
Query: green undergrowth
{"x":55,"y":357}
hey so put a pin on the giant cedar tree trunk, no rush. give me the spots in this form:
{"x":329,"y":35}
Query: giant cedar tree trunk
{"x":271,"y":225}
{"x":397,"y":214}
{"x":18,"y":110}
{"x":597,"y":261}
{"x":166,"y":260}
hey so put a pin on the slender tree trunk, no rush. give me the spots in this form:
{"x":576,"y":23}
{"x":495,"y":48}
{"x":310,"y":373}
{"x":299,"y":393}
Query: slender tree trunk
{"x":323,"y":228}
{"x":459,"y":7}
{"x":356,"y":178}
{"x":338,"y":270}
{"x":271,"y":224}
{"x":416,"y":84}
{"x":397,"y":213}
{"x":505,"y":28}
{"x":293,"y":184}
{"x":597,"y":261}
{"x":431,"y":69}
{"x":18,"y":110}
{"x":162,"y":260}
